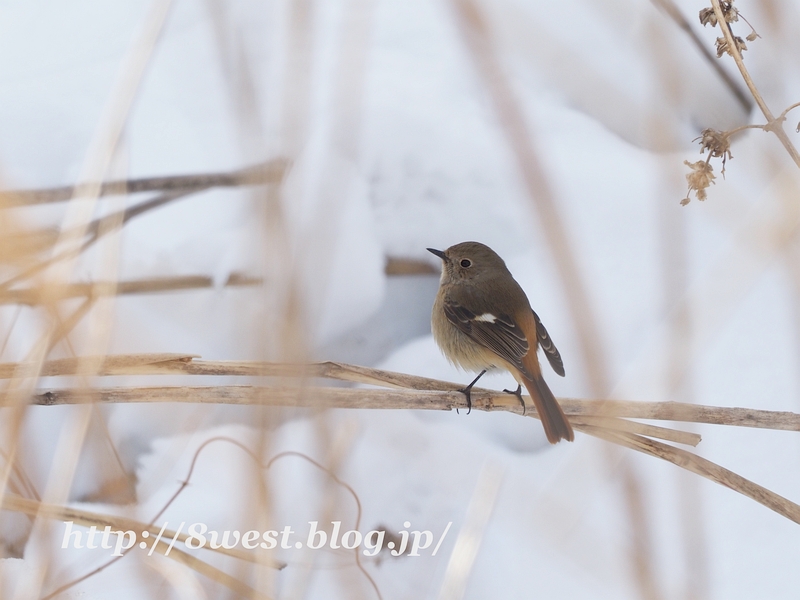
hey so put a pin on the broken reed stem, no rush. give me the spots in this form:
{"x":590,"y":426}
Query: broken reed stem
{"x":703,"y":467}
{"x":271,"y":171}
{"x":617,"y":424}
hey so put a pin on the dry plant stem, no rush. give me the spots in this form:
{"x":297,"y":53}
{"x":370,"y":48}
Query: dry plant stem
{"x":238,"y":587}
{"x":104,"y":365}
{"x":705,"y":468}
{"x":409,"y":266}
{"x":687,"y":412}
{"x":399,"y":399}
{"x":96,"y":230}
{"x":776,"y":126}
{"x":266,"y":466}
{"x":185,"y":559}
{"x":65,"y":326}
{"x":736,"y":130}
{"x":166,"y":363}
{"x":178,"y":492}
{"x":74,"y":225}
{"x":787,"y":111}
{"x":97,"y":227}
{"x":672,"y":10}
{"x":482,"y":399}
{"x":338,"y":481}
{"x":470,"y":537}
{"x":673,"y":233}
{"x":538,"y":186}
{"x":87,"y":519}
{"x":520,"y":138}
{"x":33,"y":296}
{"x":662,"y":433}
{"x":271,"y":171}
{"x":176,"y":364}
{"x":93,"y":232}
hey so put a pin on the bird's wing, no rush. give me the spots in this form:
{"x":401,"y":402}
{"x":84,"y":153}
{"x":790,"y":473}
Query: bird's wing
{"x":550,"y":350}
{"x":498,"y":333}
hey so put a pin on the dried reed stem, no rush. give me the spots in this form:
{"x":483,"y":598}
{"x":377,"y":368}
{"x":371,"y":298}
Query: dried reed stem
{"x":520,"y":136}
{"x":271,"y":171}
{"x":704,"y":468}
{"x":483,"y":399}
{"x":600,"y":418}
{"x":628,"y":434}
{"x":185,"y":364}
{"x":34,"y":296}
{"x":583,"y":411}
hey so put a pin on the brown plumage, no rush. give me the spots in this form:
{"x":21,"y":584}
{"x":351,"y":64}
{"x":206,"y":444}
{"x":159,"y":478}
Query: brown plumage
{"x":482,"y":319}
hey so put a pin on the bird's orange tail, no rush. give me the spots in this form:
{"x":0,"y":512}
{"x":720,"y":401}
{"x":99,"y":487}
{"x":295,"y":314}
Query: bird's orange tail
{"x":556,"y":425}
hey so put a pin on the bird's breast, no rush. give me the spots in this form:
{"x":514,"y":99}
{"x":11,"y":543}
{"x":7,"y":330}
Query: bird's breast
{"x":457,"y":346}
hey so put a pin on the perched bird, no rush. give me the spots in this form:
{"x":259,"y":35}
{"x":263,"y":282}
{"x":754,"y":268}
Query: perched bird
{"x":482,"y":320}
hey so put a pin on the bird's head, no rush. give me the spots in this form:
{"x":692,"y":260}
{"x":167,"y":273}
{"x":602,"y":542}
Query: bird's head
{"x":469,"y":260}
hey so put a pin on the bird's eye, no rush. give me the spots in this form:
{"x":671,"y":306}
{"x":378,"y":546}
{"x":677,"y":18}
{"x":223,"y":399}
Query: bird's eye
{"x":466,"y":263}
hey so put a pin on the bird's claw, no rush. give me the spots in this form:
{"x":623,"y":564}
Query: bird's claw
{"x":467,"y":391}
{"x":518,"y":394}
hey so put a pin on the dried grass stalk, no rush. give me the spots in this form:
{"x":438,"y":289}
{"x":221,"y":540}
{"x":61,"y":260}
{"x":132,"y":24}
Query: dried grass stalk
{"x":590,"y":412}
{"x":618,"y":431}
{"x":271,"y":171}
{"x":87,"y":518}
{"x":483,"y":399}
{"x":34,"y":295}
{"x":701,"y":466}
{"x":599,"y":418}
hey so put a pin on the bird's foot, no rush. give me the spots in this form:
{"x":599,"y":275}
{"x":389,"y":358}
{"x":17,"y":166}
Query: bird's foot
{"x":467,"y":391}
{"x":518,"y":394}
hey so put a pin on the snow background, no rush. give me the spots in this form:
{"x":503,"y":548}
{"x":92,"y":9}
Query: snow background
{"x":404,"y":154}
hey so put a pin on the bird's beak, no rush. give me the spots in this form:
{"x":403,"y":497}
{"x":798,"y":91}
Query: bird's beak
{"x":438,"y":253}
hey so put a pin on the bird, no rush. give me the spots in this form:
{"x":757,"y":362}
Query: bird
{"x":482,"y":320}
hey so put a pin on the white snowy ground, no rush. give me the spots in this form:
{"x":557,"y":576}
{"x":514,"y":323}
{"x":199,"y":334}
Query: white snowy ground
{"x":434,"y":169}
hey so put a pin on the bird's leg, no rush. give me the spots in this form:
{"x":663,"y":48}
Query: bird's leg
{"x":467,"y":391}
{"x":518,"y":394}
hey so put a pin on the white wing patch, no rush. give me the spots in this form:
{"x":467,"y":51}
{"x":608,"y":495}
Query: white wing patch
{"x":486,"y":317}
